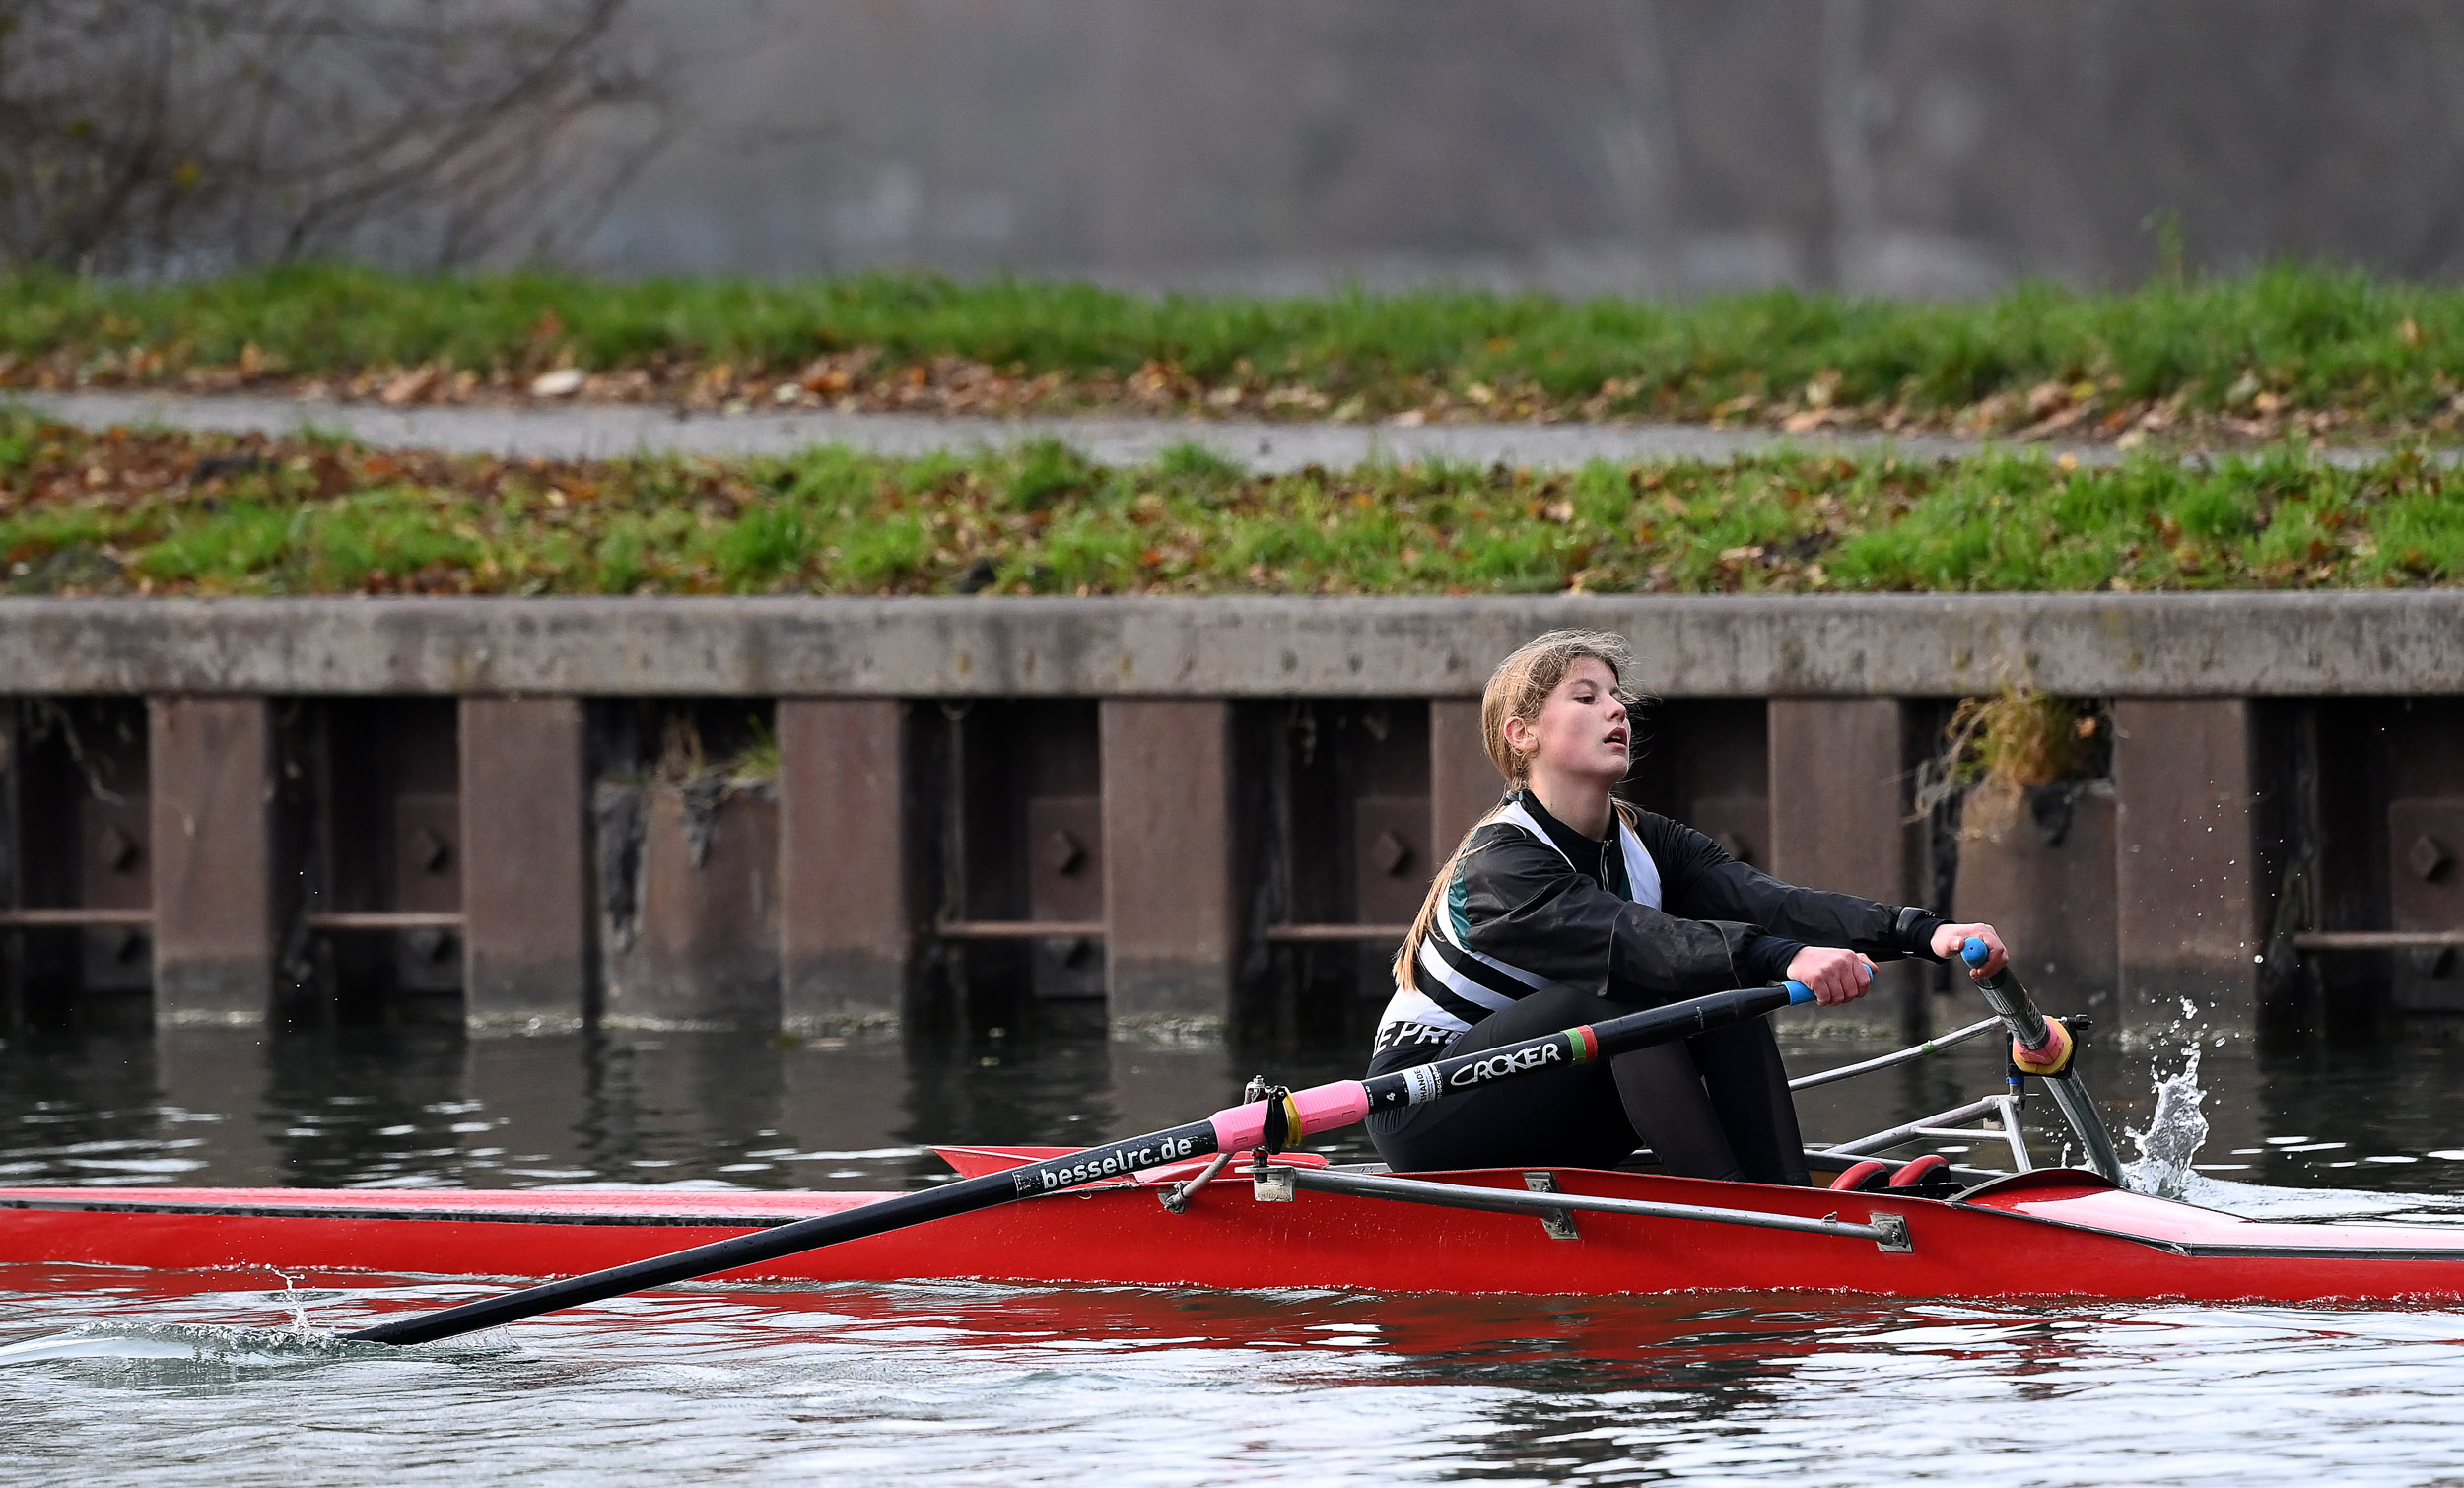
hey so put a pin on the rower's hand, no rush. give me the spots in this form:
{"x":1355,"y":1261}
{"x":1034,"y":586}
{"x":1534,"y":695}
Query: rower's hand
{"x":1949,"y":938}
{"x":1835,"y":975}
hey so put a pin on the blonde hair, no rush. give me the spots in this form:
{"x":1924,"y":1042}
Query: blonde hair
{"x":1516,"y":690}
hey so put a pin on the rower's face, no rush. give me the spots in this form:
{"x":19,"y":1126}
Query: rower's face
{"x":1582,"y":729}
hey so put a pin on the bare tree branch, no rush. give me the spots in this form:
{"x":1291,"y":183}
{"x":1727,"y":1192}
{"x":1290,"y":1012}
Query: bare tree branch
{"x":192,"y":136}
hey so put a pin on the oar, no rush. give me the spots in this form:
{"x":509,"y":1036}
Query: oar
{"x":2042,"y":1046}
{"x":1272,"y":1124}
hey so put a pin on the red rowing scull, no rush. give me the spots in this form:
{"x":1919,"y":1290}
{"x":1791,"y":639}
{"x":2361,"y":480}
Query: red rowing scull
{"x":2049,"y":1232}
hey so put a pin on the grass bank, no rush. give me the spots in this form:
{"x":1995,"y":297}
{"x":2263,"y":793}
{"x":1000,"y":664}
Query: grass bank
{"x":2312,"y":352}
{"x":173,"y":512}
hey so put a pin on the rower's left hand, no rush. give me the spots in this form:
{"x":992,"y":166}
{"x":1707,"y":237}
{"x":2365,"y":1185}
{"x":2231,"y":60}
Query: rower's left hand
{"x":1949,"y":938}
{"x":1834,"y":976}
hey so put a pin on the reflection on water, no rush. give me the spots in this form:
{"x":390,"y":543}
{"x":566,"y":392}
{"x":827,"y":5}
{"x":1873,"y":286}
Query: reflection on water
{"x":433,"y":1106}
{"x":188,"y":1378}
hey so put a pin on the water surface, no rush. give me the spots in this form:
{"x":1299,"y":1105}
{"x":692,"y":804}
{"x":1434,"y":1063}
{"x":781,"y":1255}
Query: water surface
{"x":235,"y":1377}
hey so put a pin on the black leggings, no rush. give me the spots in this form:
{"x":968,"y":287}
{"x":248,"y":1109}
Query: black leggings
{"x":1712,"y":1106}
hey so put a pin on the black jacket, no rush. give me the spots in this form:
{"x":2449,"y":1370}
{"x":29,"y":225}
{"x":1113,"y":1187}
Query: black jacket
{"x":1721,"y":924}
{"x":1563,"y":915}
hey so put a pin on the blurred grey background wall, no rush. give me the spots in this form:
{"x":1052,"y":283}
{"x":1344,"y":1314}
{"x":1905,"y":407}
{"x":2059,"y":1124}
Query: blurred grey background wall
{"x":1905,"y":147}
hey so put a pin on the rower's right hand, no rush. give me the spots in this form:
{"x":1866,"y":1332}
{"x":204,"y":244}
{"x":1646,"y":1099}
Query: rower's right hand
{"x":1835,"y":975}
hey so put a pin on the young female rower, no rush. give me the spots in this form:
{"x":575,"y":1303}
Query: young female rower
{"x":1565,"y":905}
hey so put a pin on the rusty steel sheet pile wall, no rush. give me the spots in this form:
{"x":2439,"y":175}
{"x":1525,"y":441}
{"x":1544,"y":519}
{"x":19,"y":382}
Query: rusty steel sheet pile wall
{"x":1175,"y":818}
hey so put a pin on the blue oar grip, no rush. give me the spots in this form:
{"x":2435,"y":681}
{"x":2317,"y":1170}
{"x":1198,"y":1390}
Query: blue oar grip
{"x":1974,"y":951}
{"x":1798,"y":991}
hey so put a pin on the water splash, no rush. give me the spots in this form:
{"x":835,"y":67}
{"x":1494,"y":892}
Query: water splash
{"x":216,"y":1347}
{"x":189,"y":1343}
{"x":297,"y":1303}
{"x":2173,"y":1136}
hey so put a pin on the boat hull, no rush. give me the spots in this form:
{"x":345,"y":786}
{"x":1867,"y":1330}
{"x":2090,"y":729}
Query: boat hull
{"x":2055,"y":1234}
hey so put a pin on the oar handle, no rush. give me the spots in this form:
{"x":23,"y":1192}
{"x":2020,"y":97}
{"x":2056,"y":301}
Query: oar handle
{"x":2043,"y":1047}
{"x":2004,"y":995}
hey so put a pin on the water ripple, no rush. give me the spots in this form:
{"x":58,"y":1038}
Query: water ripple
{"x":980,"y":1384}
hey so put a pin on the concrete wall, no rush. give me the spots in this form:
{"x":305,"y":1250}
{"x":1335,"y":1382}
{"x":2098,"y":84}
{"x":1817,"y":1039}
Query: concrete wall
{"x":1913,"y":147}
{"x":2281,"y":644}
{"x":1162,"y":811}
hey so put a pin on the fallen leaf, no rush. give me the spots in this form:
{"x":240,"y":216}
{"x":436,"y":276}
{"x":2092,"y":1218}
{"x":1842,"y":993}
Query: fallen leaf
{"x":410,"y":386}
